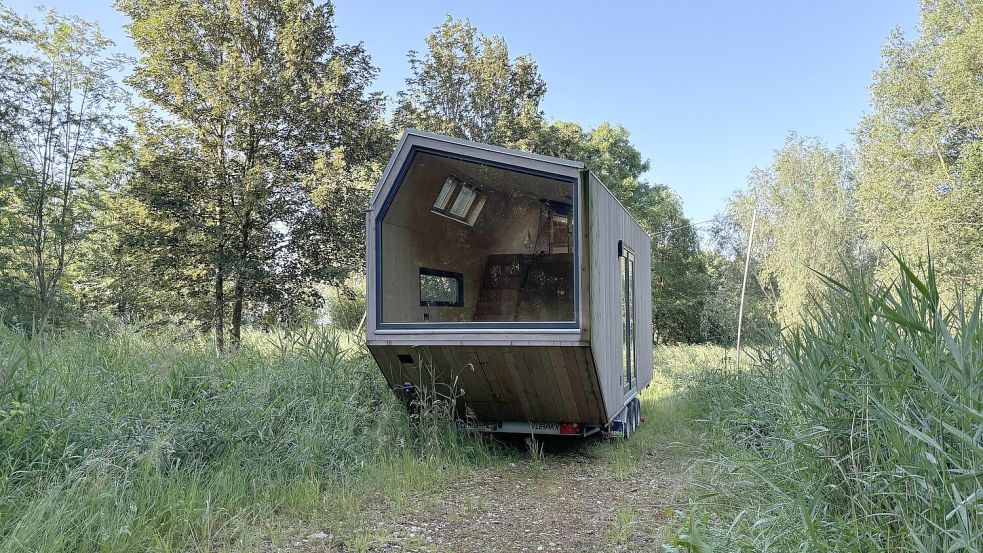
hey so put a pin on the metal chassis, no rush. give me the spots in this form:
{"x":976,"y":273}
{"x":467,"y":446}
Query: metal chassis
{"x":614,"y":429}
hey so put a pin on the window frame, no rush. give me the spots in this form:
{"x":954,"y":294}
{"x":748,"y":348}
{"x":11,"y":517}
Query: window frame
{"x":577,"y":184}
{"x":629,"y":316}
{"x":475,"y":202}
{"x":459,"y":277}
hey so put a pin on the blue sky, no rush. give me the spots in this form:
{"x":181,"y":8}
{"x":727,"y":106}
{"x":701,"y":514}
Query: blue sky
{"x":708,"y":89}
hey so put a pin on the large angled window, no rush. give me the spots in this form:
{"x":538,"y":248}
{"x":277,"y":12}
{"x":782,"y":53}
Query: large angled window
{"x":473,"y":244}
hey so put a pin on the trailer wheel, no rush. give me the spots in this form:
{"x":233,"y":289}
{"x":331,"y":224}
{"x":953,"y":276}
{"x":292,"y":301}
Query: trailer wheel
{"x":638,"y":412}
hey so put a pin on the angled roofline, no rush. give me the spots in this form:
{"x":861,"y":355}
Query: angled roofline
{"x":496,"y":149}
{"x":594,"y":176}
{"x":519,"y":154}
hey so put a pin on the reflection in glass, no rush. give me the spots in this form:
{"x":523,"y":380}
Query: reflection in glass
{"x":440,"y":287}
{"x":630,"y":371}
{"x":480,"y":243}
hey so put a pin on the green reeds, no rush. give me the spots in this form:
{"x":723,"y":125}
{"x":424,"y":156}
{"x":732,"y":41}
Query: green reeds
{"x":862,"y":430}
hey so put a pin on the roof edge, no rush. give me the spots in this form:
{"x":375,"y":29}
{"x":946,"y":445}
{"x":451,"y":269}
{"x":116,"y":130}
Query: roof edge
{"x":409,"y":134}
{"x":594,"y":176}
{"x":493,"y":148}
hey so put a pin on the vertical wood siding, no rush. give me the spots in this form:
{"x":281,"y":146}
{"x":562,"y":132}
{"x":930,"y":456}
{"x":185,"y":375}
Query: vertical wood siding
{"x":609,"y":223}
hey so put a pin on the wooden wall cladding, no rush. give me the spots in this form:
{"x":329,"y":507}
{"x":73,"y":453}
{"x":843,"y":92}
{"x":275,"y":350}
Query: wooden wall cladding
{"x":503,"y":383}
{"x":609,"y":224}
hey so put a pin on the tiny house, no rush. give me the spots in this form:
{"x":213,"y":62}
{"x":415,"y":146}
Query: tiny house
{"x":515,"y":278}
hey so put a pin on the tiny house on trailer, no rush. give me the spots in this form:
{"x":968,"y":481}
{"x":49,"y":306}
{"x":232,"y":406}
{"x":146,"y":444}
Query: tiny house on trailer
{"x":515,"y":277}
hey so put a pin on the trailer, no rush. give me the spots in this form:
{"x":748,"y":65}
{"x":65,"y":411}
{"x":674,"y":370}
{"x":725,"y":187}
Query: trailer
{"x":517,"y":279}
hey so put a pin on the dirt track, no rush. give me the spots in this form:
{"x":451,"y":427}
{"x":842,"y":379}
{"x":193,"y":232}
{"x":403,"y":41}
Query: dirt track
{"x":570,"y":501}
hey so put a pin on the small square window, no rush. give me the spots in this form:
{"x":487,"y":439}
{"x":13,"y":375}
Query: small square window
{"x":441,"y":288}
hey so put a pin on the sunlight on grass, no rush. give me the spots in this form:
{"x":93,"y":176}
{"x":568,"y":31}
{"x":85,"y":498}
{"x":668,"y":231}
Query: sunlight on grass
{"x":858,"y":431}
{"x":122,"y":440}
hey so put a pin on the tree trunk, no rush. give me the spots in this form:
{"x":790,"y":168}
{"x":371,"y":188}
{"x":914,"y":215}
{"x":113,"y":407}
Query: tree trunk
{"x":237,"y":314}
{"x":219,"y":314}
{"x":240,"y":287}
{"x":219,"y":308}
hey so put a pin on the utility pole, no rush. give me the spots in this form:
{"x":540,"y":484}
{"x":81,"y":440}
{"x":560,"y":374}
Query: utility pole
{"x":747,"y":264}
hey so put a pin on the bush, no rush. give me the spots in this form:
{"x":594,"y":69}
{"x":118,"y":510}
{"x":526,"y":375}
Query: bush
{"x":346,"y":304}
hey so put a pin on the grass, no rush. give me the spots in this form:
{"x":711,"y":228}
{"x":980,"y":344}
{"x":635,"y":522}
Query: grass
{"x":112,"y":439}
{"x":861,"y":430}
{"x":622,"y":527}
{"x":115,"y":439}
{"x":670,"y":424}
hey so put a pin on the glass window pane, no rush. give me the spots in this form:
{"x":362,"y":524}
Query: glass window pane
{"x":629,"y":373}
{"x":462,"y":202}
{"x":633,"y":362}
{"x":513,"y":247}
{"x":439,"y":288}
{"x":625,"y":356}
{"x":445,"y":193}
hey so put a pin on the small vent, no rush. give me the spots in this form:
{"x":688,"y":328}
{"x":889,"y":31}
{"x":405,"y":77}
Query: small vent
{"x":405,"y":358}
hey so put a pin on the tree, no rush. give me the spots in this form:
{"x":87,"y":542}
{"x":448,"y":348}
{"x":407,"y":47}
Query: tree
{"x":606,"y":149}
{"x":725,"y":273}
{"x":58,"y":105}
{"x":338,"y":195}
{"x":262,"y":94}
{"x":807,"y":222}
{"x":467,"y":86}
{"x":679,"y":273}
{"x":151,"y":246}
{"x":920,"y":155}
{"x":679,"y":279}
{"x":16,"y":297}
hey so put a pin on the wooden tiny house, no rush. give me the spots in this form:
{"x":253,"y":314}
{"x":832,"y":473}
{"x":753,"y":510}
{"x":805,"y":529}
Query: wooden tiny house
{"x":519,"y":275}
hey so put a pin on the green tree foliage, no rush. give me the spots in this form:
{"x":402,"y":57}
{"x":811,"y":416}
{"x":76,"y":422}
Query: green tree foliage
{"x":679,"y":278}
{"x":725,"y":272}
{"x":330,"y":231}
{"x":679,"y":271}
{"x":467,"y":86}
{"x":806,"y":222}
{"x":920,"y":156}
{"x":261,"y":95}
{"x":606,"y":149}
{"x":16,"y":296}
{"x":152,"y":252}
{"x":58,"y":104}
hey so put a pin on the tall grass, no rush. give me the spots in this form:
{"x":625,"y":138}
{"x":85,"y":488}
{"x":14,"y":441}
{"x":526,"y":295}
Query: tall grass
{"x":861,"y":431}
{"x":122,"y":440}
